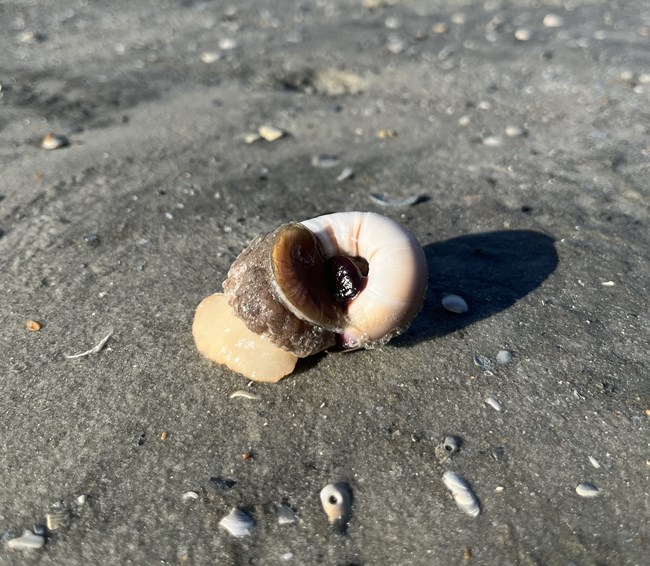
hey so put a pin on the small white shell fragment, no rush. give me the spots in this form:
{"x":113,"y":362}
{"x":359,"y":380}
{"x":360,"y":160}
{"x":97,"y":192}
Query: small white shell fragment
{"x":270,"y":133}
{"x":27,"y":541}
{"x":455,"y":303}
{"x":335,"y":499}
{"x":553,"y":21}
{"x":238,"y":523}
{"x":227,"y":43}
{"x":54,"y":141}
{"x":492,"y":401}
{"x":189,"y":496}
{"x":286,"y":515}
{"x":608,"y":283}
{"x":252,"y":138}
{"x":515,"y":131}
{"x":81,"y":500}
{"x":523,"y":34}
{"x":55,"y":519}
{"x":594,"y":462}
{"x":325,"y":161}
{"x":586,"y":489}
{"x":484,"y":362}
{"x":210,"y":56}
{"x":346,"y":174}
{"x":463,"y":494}
{"x":492,"y":141}
{"x":504,"y":357}
{"x":383,"y":201}
{"x":244,"y":394}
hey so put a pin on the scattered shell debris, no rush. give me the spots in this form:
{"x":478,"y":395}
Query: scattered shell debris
{"x":484,"y":363}
{"x":346,"y":174}
{"x":93,"y":350}
{"x":270,"y":133}
{"x":387,"y":133}
{"x":54,"y":141}
{"x":515,"y":131}
{"x":33,"y":325}
{"x":492,"y":141}
{"x":325,"y":161}
{"x":464,"y":497}
{"x":553,"y":21}
{"x":504,"y":357}
{"x":594,"y":462}
{"x":210,"y":56}
{"x":189,"y":496}
{"x":586,"y":489}
{"x":335,"y":82}
{"x":523,"y":34}
{"x":227,"y":43}
{"x":81,"y":500}
{"x":286,"y":515}
{"x":455,"y":304}
{"x":467,"y":553}
{"x":383,"y":201}
{"x":608,"y":283}
{"x":244,"y":394}
{"x":252,"y":138}
{"x":492,"y":401}
{"x":336,"y":500}
{"x":439,"y":27}
{"x":56,"y":519}
{"x":27,"y":541}
{"x":163,"y":435}
{"x":238,"y":523}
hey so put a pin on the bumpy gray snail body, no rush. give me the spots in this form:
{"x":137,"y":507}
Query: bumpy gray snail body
{"x":341,"y":281}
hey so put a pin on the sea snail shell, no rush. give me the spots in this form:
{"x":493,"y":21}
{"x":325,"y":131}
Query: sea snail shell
{"x":347,"y":280}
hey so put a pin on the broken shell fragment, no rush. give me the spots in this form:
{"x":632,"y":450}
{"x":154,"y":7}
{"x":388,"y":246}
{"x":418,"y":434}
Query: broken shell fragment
{"x":346,"y":280}
{"x":586,"y":489}
{"x":27,"y":541}
{"x":238,"y":523}
{"x":56,"y":519}
{"x":54,"y":141}
{"x":286,"y":515}
{"x":336,"y":502}
{"x":463,"y":494}
{"x":270,"y":133}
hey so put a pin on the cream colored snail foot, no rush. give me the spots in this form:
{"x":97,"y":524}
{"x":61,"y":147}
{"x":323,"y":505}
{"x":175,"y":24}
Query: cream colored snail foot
{"x":340,"y":281}
{"x":336,"y":500}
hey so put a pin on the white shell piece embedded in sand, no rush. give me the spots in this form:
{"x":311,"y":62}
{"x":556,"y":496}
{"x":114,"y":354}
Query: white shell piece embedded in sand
{"x":335,"y":499}
{"x":189,"y":496}
{"x":586,"y":489}
{"x":238,"y":523}
{"x":455,"y":303}
{"x":55,"y":519}
{"x":27,"y":541}
{"x":463,"y":494}
{"x":286,"y":515}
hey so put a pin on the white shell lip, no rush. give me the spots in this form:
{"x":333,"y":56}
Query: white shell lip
{"x":238,"y":523}
{"x":397,"y":272}
{"x":586,"y":489}
{"x":463,"y":495}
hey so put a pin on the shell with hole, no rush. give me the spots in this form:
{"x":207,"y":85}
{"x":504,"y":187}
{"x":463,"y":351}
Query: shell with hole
{"x":336,"y":282}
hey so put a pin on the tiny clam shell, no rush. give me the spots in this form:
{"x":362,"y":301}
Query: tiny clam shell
{"x":286,"y":515}
{"x":586,"y":489}
{"x":335,"y":499}
{"x":463,"y":494}
{"x":189,"y":496}
{"x":27,"y":541}
{"x":238,"y":523}
{"x":55,"y":519}
{"x":455,"y":303}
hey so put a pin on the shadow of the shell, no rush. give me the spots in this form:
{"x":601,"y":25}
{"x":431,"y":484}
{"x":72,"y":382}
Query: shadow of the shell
{"x":491,"y":271}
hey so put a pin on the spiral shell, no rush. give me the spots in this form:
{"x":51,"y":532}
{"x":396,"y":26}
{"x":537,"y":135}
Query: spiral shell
{"x":345,"y":280}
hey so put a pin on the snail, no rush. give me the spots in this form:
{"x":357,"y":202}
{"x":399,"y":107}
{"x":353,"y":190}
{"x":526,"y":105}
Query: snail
{"x":342,"y":281}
